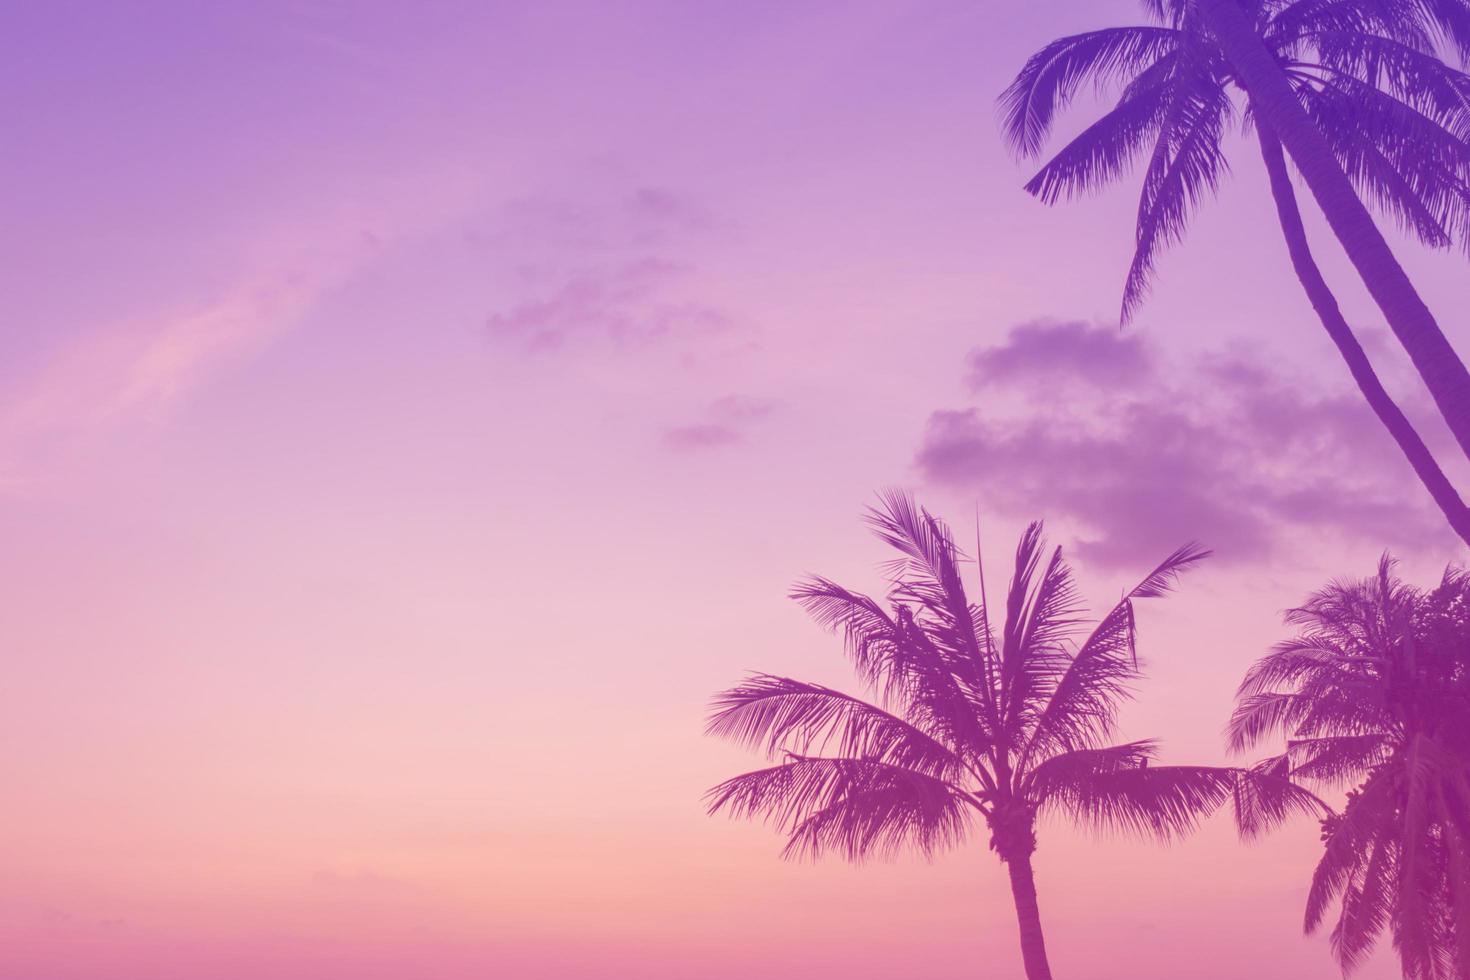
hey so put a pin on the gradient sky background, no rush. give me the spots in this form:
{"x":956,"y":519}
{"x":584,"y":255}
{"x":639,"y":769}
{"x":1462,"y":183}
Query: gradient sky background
{"x":411,"y":413}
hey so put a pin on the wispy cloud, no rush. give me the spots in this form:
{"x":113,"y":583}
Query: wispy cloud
{"x":144,"y":366}
{"x":1243,"y":457}
{"x":613,"y":274}
{"x":701,"y":435}
{"x":624,"y":304}
{"x":726,"y":423}
{"x":141,"y":368}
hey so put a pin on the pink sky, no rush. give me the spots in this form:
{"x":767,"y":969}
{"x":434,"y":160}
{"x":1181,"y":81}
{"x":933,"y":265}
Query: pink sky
{"x":411,"y":414}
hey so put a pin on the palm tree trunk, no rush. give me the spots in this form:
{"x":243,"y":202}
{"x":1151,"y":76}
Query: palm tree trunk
{"x":1325,"y":304}
{"x":1270,"y":93}
{"x":1028,"y":915}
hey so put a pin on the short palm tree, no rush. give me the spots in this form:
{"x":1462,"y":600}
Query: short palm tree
{"x":1374,"y":693}
{"x":968,"y":719}
{"x":1396,"y":119}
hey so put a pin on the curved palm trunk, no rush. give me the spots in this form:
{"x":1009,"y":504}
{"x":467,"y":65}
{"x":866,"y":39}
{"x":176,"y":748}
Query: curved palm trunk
{"x":1325,"y":304}
{"x":1028,"y":916}
{"x":1262,"y":78}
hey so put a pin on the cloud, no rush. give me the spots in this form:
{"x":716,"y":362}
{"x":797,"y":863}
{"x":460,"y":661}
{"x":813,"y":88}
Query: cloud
{"x":728,"y":420}
{"x":1234,"y":453}
{"x":742,"y":408}
{"x":704,"y":435}
{"x":140,"y":369}
{"x":601,"y":275}
{"x":1048,"y":351}
{"x":145,"y":365}
{"x":658,"y":210}
{"x":622,"y":303}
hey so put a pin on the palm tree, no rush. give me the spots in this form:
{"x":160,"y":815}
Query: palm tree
{"x":1398,"y":130}
{"x":1262,"y":75}
{"x":967,"y":722}
{"x":1374,"y":692}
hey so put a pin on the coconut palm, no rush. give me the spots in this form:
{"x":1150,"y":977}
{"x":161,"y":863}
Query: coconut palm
{"x":1235,"y":27}
{"x":1395,"y":115}
{"x":1374,"y":693}
{"x":968,"y":719}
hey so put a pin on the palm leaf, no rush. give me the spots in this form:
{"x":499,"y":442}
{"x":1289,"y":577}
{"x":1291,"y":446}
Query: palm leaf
{"x":1187,"y":164}
{"x":1163,"y":579}
{"x":1052,"y":76}
{"x":1103,"y":151}
{"x":778,"y":714}
{"x":855,"y":807}
{"x":867,"y":630}
{"x":1084,"y":701}
{"x":1115,"y":790}
{"x":1336,"y":759}
{"x":1042,"y":607}
{"x":1264,"y":796}
{"x":1401,"y":162}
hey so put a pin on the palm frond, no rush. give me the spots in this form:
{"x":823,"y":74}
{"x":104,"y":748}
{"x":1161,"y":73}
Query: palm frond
{"x":1405,"y":164}
{"x":1084,"y":701}
{"x":1163,"y":579}
{"x":1115,"y":790}
{"x":1319,"y":708}
{"x":1173,"y":12}
{"x":1367,"y":904}
{"x":1336,"y":759}
{"x":1051,"y":77}
{"x":1350,"y":840}
{"x":778,"y":714}
{"x":926,"y":543}
{"x":893,"y":655}
{"x":1042,"y":613}
{"x":1188,"y":164}
{"x":1103,"y":152}
{"x":854,"y":807}
{"x":1264,"y":796}
{"x":1292,"y":24}
{"x":928,"y":578}
{"x":868,"y":632}
{"x":1258,"y":716}
{"x":1413,"y":77}
{"x":1293,"y":662}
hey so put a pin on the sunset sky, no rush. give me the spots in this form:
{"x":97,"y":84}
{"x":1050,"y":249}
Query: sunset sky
{"x":411,"y":413}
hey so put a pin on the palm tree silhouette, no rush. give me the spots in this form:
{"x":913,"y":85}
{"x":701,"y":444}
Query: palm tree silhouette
{"x":1418,"y":24}
{"x":968,"y":723}
{"x":1395,"y":118}
{"x":1374,"y":692}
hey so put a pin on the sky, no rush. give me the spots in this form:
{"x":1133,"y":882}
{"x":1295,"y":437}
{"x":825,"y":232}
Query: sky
{"x":411,"y":414}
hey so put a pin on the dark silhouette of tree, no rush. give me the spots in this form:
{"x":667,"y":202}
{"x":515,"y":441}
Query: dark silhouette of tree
{"x":1394,"y":117}
{"x":1374,"y":693}
{"x":970,"y":719}
{"x":1413,"y":25}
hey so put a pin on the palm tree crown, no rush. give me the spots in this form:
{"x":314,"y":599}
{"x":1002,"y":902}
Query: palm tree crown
{"x":970,"y":719}
{"x":1366,"y":72}
{"x":1373,"y":109}
{"x":1374,"y":693}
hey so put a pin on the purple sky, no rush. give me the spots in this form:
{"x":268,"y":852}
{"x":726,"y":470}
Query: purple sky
{"x":412,"y":413}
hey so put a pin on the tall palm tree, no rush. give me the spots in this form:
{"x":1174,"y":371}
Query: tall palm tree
{"x":1374,"y":693}
{"x":968,"y":719}
{"x":1396,"y":116}
{"x":1267,"y":81}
